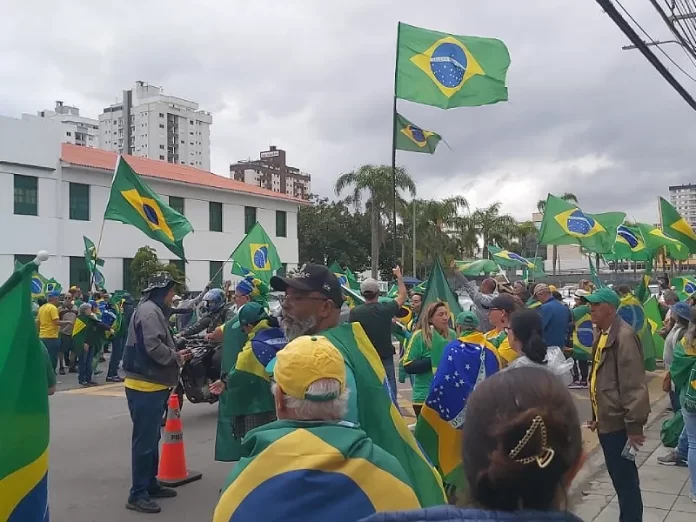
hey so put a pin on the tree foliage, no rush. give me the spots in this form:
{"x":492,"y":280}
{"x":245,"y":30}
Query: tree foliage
{"x":145,"y":263}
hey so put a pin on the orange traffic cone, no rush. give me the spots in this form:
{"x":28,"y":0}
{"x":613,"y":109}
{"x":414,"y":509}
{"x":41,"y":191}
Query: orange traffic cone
{"x":172,"y":463}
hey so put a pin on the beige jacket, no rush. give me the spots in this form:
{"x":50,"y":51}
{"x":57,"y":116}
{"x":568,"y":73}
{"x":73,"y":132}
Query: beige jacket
{"x":621,"y":390}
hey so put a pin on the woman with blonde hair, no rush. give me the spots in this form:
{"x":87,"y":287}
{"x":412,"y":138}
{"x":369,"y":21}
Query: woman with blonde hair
{"x":425,"y":348}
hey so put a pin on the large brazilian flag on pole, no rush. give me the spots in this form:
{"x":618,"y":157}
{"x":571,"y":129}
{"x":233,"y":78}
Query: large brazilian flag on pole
{"x":24,"y":431}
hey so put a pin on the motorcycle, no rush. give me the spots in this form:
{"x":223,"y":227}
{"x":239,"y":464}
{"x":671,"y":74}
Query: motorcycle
{"x":198,"y":373}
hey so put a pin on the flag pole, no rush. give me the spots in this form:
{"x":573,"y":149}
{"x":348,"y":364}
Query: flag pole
{"x":101,"y":231}
{"x":414,"y":238}
{"x":393,"y":151}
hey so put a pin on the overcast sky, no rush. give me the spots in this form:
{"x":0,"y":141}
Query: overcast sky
{"x":315,"y":78}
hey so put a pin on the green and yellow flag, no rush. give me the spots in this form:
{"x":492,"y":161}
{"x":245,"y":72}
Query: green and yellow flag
{"x":583,"y":333}
{"x":629,"y":244}
{"x":24,"y":409}
{"x":345,"y":276}
{"x":631,"y":310}
{"x":449,"y":71}
{"x":508,"y":259}
{"x":652,"y":313}
{"x":257,"y":254}
{"x":565,"y":224}
{"x":379,"y":417}
{"x":675,"y":226}
{"x":438,"y":289}
{"x":412,"y":138}
{"x":134,"y":203}
{"x":93,"y":263}
{"x":684,"y":286}
{"x":655,"y":238}
{"x":475,"y":267}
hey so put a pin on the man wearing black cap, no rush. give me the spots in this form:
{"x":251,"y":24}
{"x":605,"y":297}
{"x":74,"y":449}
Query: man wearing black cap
{"x":313,"y":300}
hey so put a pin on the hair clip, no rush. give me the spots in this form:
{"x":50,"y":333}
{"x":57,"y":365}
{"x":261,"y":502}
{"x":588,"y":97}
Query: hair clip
{"x":546,"y":454}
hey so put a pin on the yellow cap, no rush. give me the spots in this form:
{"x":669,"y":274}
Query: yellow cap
{"x":306,"y":360}
{"x":552,"y":288}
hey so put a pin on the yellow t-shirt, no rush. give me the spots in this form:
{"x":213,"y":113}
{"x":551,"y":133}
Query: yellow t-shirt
{"x":601,"y":344}
{"x":46,"y":315}
{"x":143,"y":386}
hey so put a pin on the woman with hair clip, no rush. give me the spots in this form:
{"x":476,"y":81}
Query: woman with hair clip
{"x":425,"y":348}
{"x":522,"y":448}
{"x":525,"y":336}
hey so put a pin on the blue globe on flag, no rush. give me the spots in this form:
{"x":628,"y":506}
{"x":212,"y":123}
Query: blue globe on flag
{"x":417,"y":134}
{"x":260,"y":258}
{"x":585,"y":335}
{"x":628,"y":236}
{"x":36,"y":285}
{"x":448,"y":64}
{"x":151,"y":214}
{"x":690,"y":288}
{"x":579,"y":223}
{"x":633,"y":315}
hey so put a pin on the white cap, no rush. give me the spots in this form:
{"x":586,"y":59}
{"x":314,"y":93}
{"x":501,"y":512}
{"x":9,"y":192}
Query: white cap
{"x":176,"y":298}
{"x":581,"y":293}
{"x":369,"y":285}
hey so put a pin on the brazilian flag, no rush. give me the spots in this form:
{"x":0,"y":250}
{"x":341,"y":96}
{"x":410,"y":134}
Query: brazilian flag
{"x":297,"y":471}
{"x":509,"y":259}
{"x":24,"y":407}
{"x":583,"y":333}
{"x":256,"y":254}
{"x":684,"y":286}
{"x":631,"y":310}
{"x":378,"y":415}
{"x":132,"y":202}
{"x":410,"y":137}
{"x":447,"y":70}
{"x":565,"y":224}
{"x":655,"y":322}
{"x":675,"y":226}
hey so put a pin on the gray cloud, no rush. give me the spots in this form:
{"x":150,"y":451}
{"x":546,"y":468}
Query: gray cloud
{"x":316,"y":78}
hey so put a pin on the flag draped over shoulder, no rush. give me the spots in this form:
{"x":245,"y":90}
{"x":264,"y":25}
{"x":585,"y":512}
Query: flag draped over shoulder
{"x":412,"y":138}
{"x":654,"y":318}
{"x":583,"y":333}
{"x":675,"y":226}
{"x":256,"y":253}
{"x":438,"y":289}
{"x":565,"y":224}
{"x":378,"y":415}
{"x":475,"y":267}
{"x":298,"y":471}
{"x":508,"y":259}
{"x":132,"y":202}
{"x":24,"y":408}
{"x":439,"y":429}
{"x":449,"y":71}
{"x":631,"y":310}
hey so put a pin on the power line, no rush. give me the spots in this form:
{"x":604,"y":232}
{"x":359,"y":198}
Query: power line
{"x":653,"y":41}
{"x":622,"y":24}
{"x":686,"y":46}
{"x":683,"y":22}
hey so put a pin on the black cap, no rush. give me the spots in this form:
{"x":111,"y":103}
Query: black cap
{"x":312,"y":278}
{"x":159,"y":280}
{"x":503,"y":302}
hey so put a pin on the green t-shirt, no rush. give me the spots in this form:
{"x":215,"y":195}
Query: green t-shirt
{"x":418,"y":349}
{"x":376,"y":320}
{"x":50,"y":374}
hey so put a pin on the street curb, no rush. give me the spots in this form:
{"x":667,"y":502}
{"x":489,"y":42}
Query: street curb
{"x":595,"y":460}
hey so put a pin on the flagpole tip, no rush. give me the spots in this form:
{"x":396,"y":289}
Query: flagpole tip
{"x":41,"y":256}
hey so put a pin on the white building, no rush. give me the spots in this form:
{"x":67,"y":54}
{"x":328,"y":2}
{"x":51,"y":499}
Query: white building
{"x":77,"y":129}
{"x":683,"y":198}
{"x":148,"y":124}
{"x":53,"y":194}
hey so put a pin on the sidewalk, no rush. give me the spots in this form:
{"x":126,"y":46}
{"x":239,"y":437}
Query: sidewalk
{"x":665,"y":488}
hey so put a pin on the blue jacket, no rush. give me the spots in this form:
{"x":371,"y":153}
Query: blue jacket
{"x":453,"y":514}
{"x":556,"y":319}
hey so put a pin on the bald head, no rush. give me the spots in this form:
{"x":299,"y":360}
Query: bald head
{"x":488,"y":286}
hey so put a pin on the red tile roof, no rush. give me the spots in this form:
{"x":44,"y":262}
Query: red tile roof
{"x":106,"y":160}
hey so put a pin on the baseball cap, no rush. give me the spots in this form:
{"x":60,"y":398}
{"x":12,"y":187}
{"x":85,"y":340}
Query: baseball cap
{"x":503,"y":302}
{"x":553,"y":288}
{"x":604,"y":295}
{"x":312,"y":278}
{"x":581,"y":294}
{"x":468,"y":320}
{"x":682,"y":309}
{"x":541,"y":287}
{"x":53,"y":294}
{"x":251,"y":313}
{"x":369,"y":285}
{"x":303,"y":362}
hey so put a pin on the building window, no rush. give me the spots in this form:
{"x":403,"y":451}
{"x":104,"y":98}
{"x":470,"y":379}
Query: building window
{"x":177,"y":204}
{"x":281,"y":223}
{"x":215,"y":276}
{"x":68,"y":133}
{"x":24,"y":258}
{"x":26,"y":195}
{"x":215,"y":216}
{"x":180,"y":265}
{"x":161,"y":115}
{"x":79,"y":201}
{"x":161,"y":157}
{"x":128,"y":283}
{"x":183,"y":142}
{"x":249,"y":218}
{"x":162,"y":147}
{"x":161,"y":125}
{"x":79,"y":275}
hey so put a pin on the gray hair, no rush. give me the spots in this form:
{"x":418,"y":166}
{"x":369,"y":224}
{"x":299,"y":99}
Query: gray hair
{"x":670,"y":295}
{"x":85,"y":307}
{"x":334,"y":410}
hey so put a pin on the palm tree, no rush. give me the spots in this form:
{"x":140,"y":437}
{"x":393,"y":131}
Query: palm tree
{"x":493,"y":227}
{"x":435,"y":222}
{"x":541,"y":206}
{"x":377,"y":182}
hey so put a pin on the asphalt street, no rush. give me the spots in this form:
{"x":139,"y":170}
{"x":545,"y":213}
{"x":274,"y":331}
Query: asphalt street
{"x":90,"y":466}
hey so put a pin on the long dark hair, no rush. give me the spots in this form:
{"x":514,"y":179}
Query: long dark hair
{"x":528,"y":329}
{"x":502,"y":468}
